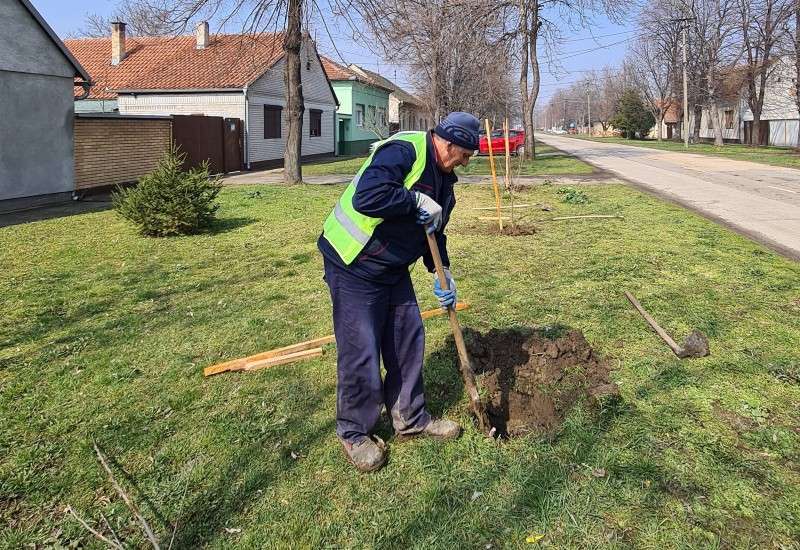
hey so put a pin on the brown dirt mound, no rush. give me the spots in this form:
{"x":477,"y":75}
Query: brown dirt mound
{"x":534,"y":379}
{"x":520,"y":230}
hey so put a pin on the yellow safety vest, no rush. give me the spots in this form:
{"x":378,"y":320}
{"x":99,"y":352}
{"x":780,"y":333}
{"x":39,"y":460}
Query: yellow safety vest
{"x":347,"y":230}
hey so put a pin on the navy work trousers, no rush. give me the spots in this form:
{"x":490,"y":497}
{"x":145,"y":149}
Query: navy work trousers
{"x":370,"y":321}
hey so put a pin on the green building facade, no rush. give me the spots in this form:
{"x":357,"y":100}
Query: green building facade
{"x":363,"y":114}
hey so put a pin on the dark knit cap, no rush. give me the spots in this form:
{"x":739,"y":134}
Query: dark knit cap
{"x":461,"y":129}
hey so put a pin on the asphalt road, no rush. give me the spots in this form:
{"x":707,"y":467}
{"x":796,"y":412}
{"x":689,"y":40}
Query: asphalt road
{"x":760,"y":201}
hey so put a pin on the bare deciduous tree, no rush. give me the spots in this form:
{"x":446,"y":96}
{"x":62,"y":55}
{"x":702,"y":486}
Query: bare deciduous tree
{"x":142,"y":18}
{"x":649,"y":62}
{"x":764,"y":25}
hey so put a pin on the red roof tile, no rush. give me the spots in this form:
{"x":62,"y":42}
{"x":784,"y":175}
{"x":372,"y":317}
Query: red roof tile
{"x":340,"y":72}
{"x":336,"y":71}
{"x":174,"y":63}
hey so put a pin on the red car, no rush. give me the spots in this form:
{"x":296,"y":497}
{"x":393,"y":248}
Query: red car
{"x":516,"y":142}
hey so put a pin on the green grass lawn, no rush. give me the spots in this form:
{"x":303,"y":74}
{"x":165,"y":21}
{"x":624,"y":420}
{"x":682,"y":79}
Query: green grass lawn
{"x":334,"y":167}
{"x":547,"y":165}
{"x":104,"y":335}
{"x":775,"y":156}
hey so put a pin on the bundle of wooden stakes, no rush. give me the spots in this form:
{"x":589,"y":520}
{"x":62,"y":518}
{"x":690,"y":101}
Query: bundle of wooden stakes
{"x":295,"y":352}
{"x":509,"y":185}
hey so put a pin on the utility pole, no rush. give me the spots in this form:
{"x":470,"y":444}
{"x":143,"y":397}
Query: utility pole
{"x":564,"y":126}
{"x":684,"y":21}
{"x":589,"y":108}
{"x":685,"y":95}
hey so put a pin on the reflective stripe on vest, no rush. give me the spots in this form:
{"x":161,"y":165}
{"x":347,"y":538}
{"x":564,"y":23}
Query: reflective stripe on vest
{"x":348,"y":230}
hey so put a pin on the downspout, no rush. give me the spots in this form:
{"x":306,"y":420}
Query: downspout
{"x":86,"y":87}
{"x":246,"y":129}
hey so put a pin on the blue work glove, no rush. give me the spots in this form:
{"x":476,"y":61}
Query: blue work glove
{"x":429,"y":212}
{"x":447,"y":298}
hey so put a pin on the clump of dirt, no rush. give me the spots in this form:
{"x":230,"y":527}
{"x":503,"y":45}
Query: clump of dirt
{"x":518,"y":230}
{"x":534,"y":377}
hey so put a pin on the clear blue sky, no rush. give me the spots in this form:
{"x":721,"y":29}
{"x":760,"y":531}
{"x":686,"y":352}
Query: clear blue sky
{"x":581,"y":50}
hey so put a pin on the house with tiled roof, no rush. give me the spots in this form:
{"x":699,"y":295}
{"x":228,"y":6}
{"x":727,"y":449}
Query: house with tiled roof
{"x":229,"y":75}
{"x":37,"y":74}
{"x":406,"y":111}
{"x":363,"y":108}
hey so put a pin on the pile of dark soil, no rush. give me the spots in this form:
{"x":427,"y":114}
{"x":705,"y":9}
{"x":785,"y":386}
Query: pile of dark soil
{"x":533,"y":378}
{"x":518,"y":230}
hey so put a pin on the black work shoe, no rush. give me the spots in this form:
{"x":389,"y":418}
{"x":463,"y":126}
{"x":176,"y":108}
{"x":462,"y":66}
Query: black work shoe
{"x":438,"y":428}
{"x":367,"y":455}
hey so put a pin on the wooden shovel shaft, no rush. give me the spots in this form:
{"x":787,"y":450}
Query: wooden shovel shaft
{"x":466,"y":366}
{"x":676,"y":349}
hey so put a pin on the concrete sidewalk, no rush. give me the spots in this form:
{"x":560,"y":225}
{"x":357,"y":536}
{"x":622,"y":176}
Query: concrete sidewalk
{"x":760,"y":201}
{"x":275,"y":177}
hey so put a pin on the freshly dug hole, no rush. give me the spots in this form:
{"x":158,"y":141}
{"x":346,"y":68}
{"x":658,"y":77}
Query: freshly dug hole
{"x":533,"y":380}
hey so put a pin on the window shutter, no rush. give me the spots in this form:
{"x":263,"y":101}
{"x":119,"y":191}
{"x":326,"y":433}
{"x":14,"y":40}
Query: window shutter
{"x":272,"y":121}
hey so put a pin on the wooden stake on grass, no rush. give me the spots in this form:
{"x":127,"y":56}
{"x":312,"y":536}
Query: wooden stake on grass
{"x":494,"y":173}
{"x":508,"y":155}
{"x":509,"y":185}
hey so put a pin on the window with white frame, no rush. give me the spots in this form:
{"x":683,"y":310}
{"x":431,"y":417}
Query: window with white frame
{"x":359,"y":114}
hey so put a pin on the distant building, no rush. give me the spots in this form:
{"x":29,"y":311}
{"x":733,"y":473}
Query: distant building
{"x":406,"y":112}
{"x":362,"y":117}
{"x":229,"y":75}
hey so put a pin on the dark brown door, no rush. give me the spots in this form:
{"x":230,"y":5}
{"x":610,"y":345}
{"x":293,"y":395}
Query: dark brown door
{"x":200,"y":137}
{"x":232,"y":139}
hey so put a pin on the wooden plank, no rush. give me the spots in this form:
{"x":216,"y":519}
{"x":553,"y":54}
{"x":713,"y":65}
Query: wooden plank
{"x":493,"y":218}
{"x":439,"y":311}
{"x":241,"y":363}
{"x":282,"y":359}
{"x":238,"y":364}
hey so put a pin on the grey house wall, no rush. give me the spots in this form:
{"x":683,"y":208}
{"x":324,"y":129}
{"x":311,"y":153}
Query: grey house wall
{"x":36,"y":112}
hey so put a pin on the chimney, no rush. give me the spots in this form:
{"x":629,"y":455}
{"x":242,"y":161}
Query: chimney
{"x":201,"y":32}
{"x":117,"y":42}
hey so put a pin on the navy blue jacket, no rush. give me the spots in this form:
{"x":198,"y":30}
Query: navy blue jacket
{"x":399,"y":241}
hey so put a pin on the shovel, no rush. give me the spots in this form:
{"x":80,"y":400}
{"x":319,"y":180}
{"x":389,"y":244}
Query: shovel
{"x":695,"y":345}
{"x":466,"y":367}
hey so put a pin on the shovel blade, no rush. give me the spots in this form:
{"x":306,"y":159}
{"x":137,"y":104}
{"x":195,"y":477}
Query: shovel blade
{"x":695,"y":345}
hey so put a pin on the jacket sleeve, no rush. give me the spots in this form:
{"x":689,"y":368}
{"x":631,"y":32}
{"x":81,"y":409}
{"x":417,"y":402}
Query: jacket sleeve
{"x":380,"y":192}
{"x":427,"y":259}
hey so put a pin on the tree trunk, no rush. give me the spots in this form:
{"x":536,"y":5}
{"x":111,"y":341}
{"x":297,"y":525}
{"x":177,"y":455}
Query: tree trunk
{"x":292,"y":42}
{"x":530,"y":139}
{"x":755,"y":132}
{"x":694,"y":133}
{"x":659,"y":123}
{"x":714,"y":114}
{"x":523,"y":77}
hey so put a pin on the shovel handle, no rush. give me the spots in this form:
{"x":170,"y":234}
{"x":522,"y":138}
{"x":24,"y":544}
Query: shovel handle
{"x":466,"y":367}
{"x":676,"y":349}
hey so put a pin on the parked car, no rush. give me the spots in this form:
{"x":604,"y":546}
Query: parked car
{"x":516,"y":142}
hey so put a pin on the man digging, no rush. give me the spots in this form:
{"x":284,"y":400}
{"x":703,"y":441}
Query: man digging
{"x":370,"y":240}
